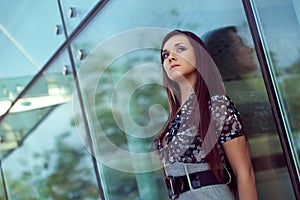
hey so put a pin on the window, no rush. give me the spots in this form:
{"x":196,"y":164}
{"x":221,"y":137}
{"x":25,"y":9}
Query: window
{"x":115,"y":80}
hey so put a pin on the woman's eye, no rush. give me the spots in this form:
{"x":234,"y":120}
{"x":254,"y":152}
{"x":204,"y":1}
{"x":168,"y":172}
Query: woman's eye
{"x":180,"y":49}
{"x":165,"y":55}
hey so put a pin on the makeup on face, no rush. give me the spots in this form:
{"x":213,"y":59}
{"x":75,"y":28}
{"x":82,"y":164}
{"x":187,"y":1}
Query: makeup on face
{"x":178,"y":56}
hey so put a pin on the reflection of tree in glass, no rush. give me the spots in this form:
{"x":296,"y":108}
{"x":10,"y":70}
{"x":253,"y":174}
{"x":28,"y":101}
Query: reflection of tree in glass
{"x":2,"y":192}
{"x":123,"y":185}
{"x":286,"y":77}
{"x":292,"y":96}
{"x":139,"y":102}
{"x":295,"y":67}
{"x":70,"y":178}
{"x":61,"y":173}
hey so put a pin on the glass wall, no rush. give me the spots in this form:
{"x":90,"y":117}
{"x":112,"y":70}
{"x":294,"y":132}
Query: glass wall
{"x":84,"y":126}
{"x":279,"y":27}
{"x":29,"y":41}
{"x":122,"y":68}
{"x":2,"y":186}
{"x":43,"y":157}
{"x":74,"y":11}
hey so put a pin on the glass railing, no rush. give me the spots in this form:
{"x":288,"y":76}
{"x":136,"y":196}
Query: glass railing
{"x":279,"y":28}
{"x":41,"y":152}
{"x":117,"y":104}
{"x":113,"y":50}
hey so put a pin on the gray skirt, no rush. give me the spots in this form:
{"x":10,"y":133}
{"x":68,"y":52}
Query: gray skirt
{"x":212,"y":192}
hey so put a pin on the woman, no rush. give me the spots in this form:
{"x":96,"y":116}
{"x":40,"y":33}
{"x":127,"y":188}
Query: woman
{"x":203,"y":131}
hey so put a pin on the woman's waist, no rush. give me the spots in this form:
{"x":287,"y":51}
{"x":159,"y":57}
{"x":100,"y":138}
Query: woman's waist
{"x":181,"y":168}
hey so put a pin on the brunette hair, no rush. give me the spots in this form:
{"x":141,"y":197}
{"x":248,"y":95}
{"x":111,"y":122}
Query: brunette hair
{"x":208,"y":83}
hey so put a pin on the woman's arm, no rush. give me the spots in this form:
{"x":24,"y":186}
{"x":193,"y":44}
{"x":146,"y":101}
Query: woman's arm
{"x":238,"y":156}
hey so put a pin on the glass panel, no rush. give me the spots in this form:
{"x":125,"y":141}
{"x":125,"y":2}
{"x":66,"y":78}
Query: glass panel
{"x":280,"y":29}
{"x":43,"y":156}
{"x":2,"y":191}
{"x":233,"y":51}
{"x":75,"y":11}
{"x":28,"y":39}
{"x":120,"y":77}
{"x":124,"y":147}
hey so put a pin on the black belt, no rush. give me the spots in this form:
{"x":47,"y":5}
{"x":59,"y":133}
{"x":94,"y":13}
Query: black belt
{"x":180,"y":184}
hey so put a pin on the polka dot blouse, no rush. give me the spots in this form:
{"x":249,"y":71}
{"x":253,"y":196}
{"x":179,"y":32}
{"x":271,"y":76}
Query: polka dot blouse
{"x":182,"y":140}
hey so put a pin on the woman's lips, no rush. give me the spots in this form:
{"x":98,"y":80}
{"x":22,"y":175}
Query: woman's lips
{"x":173,"y":66}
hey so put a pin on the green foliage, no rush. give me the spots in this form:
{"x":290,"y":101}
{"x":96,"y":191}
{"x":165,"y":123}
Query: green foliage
{"x":122,"y":185}
{"x":61,"y":173}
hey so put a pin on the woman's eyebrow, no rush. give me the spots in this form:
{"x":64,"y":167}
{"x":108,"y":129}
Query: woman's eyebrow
{"x":177,"y":44}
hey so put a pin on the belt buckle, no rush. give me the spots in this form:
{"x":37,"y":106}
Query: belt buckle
{"x":195,"y":181}
{"x":173,"y":190}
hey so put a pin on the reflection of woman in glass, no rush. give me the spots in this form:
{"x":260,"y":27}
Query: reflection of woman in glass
{"x":236,"y":63}
{"x":233,"y":58}
{"x":204,"y":133}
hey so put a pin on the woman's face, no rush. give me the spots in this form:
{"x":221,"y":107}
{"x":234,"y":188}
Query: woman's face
{"x":179,"y":61}
{"x":243,"y":54}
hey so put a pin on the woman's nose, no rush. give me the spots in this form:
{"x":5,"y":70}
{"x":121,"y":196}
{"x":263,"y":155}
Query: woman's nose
{"x":172,"y":56}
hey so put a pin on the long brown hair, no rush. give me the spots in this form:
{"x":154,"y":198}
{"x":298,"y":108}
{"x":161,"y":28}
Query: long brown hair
{"x":208,"y":83}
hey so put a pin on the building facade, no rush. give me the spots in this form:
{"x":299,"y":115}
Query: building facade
{"x":81,"y":94}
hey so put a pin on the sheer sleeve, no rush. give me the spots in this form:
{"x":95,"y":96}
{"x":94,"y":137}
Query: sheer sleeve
{"x":226,"y":118}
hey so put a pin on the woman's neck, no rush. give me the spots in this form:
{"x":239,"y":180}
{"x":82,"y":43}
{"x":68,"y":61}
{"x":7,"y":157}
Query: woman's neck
{"x":185,"y":91}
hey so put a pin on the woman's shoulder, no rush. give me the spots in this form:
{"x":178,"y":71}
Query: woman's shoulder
{"x":222,"y":103}
{"x":226,"y":117}
{"x":220,"y":99}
